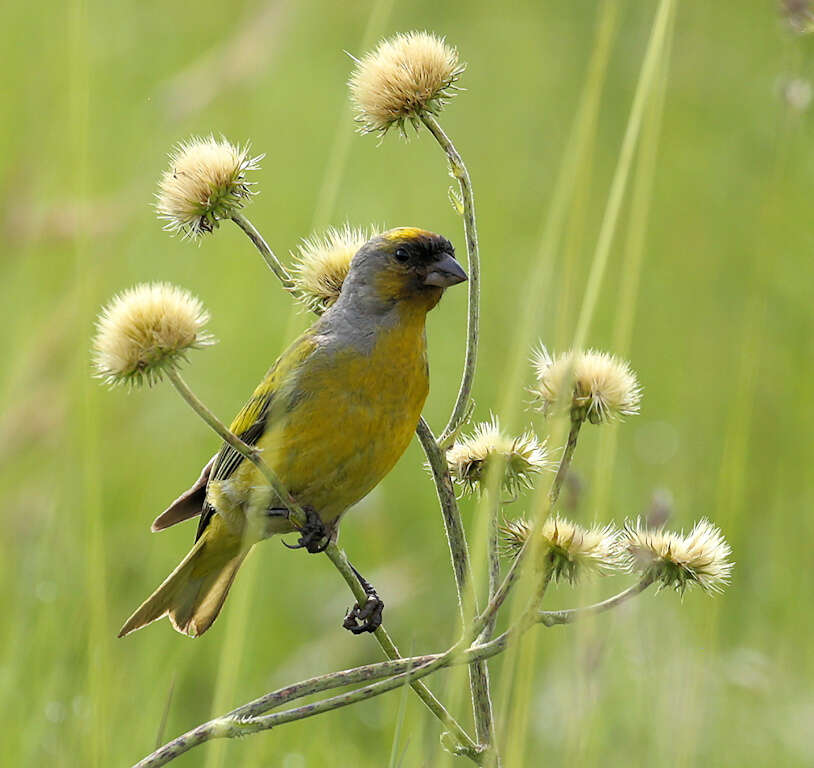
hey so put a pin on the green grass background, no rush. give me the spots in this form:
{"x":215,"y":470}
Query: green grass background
{"x":719,"y":308}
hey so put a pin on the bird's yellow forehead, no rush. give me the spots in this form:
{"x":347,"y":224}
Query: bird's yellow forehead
{"x":406,"y":233}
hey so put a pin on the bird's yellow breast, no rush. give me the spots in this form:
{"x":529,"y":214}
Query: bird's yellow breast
{"x":351,"y":418}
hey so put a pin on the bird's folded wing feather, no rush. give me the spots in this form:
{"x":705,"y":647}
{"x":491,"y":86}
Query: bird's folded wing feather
{"x":257,"y":415}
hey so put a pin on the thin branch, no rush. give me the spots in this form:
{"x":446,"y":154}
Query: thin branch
{"x":274,"y":264}
{"x":295,"y":511}
{"x":337,"y":555}
{"x":340,"y":561}
{"x":565,"y":460}
{"x":551,"y":618}
{"x":459,"y":551}
{"x":245,"y":720}
{"x":460,"y":172}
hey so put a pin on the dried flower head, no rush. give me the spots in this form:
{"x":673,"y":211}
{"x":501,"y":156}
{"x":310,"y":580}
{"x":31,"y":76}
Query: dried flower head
{"x":206,"y":182}
{"x":472,"y":458}
{"x":405,"y":77}
{"x":567,"y":550}
{"x":676,"y":560}
{"x":145,"y":331}
{"x":323,"y":262}
{"x":592,"y":385}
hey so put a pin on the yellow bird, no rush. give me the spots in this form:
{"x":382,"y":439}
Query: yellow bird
{"x":331,"y":418}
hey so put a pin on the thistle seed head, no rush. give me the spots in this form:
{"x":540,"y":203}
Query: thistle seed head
{"x":678,"y":561}
{"x":520,"y":458}
{"x":146,"y":330}
{"x":567,"y":550}
{"x":591,"y":385}
{"x":205,"y":183}
{"x":323,"y":262}
{"x":405,"y":77}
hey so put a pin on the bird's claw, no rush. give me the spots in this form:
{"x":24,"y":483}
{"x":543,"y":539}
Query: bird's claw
{"x":314,"y":535}
{"x":367,"y":617}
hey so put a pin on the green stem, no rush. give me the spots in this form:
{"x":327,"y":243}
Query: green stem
{"x":340,"y":561}
{"x":459,"y":551}
{"x":569,"y":616}
{"x":493,"y":555}
{"x":338,"y":556}
{"x":245,"y":720}
{"x":274,"y":264}
{"x":460,"y":172}
{"x":565,"y":461}
{"x":295,"y":511}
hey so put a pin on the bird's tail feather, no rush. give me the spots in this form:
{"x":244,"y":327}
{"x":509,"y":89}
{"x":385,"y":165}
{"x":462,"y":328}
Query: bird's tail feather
{"x":193,"y":594}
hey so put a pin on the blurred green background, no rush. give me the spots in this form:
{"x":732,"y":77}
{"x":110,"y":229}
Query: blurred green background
{"x":708,"y":291}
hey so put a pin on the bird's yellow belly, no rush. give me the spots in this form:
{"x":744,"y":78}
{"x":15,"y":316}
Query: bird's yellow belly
{"x":354,"y":420}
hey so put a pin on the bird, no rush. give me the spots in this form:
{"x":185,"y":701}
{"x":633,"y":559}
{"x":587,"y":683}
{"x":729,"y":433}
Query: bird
{"x":331,"y":418}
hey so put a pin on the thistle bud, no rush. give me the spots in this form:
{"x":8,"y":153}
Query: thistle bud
{"x":205,"y":183}
{"x":472,"y":458}
{"x":145,"y":331}
{"x":567,"y":550}
{"x":323,"y":263}
{"x":678,"y":561}
{"x":405,"y":77}
{"x":591,"y":385}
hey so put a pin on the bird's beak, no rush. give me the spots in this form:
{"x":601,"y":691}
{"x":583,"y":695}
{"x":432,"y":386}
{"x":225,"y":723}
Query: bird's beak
{"x":445,"y":272}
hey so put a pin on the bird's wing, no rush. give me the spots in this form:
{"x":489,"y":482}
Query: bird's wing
{"x":188,"y":504}
{"x":257,"y":415}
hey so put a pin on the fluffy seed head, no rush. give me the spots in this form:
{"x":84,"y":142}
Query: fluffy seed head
{"x":471,"y":459}
{"x":405,"y":77}
{"x":567,"y":550}
{"x":146,"y":330}
{"x":676,"y":560}
{"x":206,"y":182}
{"x":323,"y":262}
{"x":592,"y":385}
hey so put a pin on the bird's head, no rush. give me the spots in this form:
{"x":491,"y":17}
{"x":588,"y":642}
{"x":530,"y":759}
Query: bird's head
{"x":403,"y":265}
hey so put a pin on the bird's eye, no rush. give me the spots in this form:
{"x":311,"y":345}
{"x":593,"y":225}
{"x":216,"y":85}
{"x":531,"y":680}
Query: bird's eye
{"x":401,"y":255}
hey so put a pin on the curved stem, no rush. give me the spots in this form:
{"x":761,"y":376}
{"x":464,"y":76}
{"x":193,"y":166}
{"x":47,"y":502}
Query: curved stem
{"x":274,"y":264}
{"x":335,"y":554}
{"x":460,"y":172}
{"x":295,"y":511}
{"x":245,"y":720}
{"x":569,"y":616}
{"x":340,"y":560}
{"x":459,"y":551}
{"x":565,"y":461}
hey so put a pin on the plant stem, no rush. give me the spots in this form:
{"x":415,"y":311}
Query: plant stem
{"x":467,"y":602}
{"x":338,"y":556}
{"x":569,"y":616}
{"x":335,"y":554}
{"x":460,"y":172}
{"x":493,"y":555}
{"x":340,"y":560}
{"x":565,"y":461}
{"x":295,"y":511}
{"x":274,"y":264}
{"x":500,"y":594}
{"x":245,"y":720}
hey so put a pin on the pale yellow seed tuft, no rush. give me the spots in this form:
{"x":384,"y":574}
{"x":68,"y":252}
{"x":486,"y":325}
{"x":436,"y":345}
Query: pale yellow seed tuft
{"x":405,"y":77}
{"x":592,"y":385}
{"x":146,"y":330}
{"x":566,"y":549}
{"x":205,"y":183}
{"x":471,"y":458}
{"x":676,"y":560}
{"x":323,"y":263}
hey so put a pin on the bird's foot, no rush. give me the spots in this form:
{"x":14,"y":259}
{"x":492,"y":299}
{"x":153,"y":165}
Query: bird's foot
{"x":367,"y":617}
{"x":314,"y":535}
